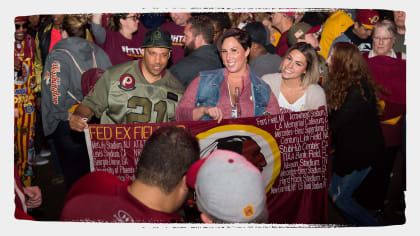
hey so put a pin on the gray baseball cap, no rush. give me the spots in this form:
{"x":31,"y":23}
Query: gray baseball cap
{"x":228,"y":186}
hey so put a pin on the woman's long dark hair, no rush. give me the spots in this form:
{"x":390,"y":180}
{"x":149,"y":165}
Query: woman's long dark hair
{"x":348,"y":68}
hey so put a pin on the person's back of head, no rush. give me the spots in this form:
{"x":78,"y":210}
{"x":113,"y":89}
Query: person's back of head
{"x":229,"y":189}
{"x":166,"y":157}
{"x":202,"y":25}
{"x":347,"y":67}
{"x":221,"y":23}
{"x":260,"y":35}
{"x":75,"y":25}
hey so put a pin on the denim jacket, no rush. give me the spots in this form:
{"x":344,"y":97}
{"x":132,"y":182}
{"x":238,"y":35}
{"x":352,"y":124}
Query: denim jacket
{"x":208,"y":91}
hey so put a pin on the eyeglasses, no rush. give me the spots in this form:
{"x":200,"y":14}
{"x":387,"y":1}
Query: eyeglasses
{"x":24,"y":25}
{"x":385,"y":40}
{"x":135,"y":17}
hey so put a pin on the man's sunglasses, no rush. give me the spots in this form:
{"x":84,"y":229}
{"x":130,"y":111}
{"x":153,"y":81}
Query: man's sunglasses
{"x":24,"y":25}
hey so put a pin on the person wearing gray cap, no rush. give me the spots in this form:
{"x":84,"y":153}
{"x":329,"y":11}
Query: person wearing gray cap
{"x":140,"y":91}
{"x":262,"y":57}
{"x":229,"y":189}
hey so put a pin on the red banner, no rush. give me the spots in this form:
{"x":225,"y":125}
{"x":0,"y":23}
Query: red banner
{"x":291,"y":149}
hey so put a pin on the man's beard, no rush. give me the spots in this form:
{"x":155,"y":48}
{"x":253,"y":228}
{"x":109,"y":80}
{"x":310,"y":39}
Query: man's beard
{"x":189,"y":48}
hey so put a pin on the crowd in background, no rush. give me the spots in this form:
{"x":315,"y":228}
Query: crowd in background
{"x":71,"y":70}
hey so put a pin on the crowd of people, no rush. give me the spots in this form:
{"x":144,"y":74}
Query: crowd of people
{"x":76,"y":69}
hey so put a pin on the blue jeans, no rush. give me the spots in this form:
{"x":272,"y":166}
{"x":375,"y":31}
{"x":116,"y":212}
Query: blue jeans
{"x":341,"y":192}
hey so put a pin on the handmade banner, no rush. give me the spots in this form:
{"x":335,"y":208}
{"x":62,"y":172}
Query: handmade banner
{"x":290,"y":149}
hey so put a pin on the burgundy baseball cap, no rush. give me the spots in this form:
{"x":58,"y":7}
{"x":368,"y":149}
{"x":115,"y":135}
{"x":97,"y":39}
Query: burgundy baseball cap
{"x":367,"y":18}
{"x":193,"y":171}
{"x":290,"y":14}
{"x":21,"y":19}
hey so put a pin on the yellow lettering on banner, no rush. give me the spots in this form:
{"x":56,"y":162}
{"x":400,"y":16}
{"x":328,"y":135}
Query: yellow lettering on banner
{"x":110,"y":133}
{"x":127,"y":135}
{"x":100,"y":133}
{"x":144,"y":136}
{"x":119,"y":134}
{"x":137,"y":130}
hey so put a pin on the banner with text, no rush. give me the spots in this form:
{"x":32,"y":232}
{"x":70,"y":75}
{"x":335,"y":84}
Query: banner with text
{"x":290,"y":149}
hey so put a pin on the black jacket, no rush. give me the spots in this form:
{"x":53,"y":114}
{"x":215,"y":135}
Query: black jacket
{"x":202,"y":59}
{"x":356,"y":133}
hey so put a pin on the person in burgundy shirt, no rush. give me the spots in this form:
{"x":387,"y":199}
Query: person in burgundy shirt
{"x":283,"y":21}
{"x":157,"y":193}
{"x":176,"y":28}
{"x":123,"y":43}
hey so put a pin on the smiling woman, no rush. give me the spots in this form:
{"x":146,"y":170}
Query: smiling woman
{"x":231,"y":92}
{"x":296,"y":86}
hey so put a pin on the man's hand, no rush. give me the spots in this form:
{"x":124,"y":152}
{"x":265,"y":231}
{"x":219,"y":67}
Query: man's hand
{"x":78,"y":123}
{"x":33,"y":196}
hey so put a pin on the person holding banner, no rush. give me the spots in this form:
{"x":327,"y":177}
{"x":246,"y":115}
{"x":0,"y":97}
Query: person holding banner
{"x":296,"y":87}
{"x":140,"y":91}
{"x":231,"y":92}
{"x":355,"y":130}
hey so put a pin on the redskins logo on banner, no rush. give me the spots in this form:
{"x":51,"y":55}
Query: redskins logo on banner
{"x":255,"y":144}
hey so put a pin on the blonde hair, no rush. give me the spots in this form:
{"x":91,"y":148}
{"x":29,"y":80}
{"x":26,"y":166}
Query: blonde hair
{"x":311,"y":74}
{"x":75,"y":25}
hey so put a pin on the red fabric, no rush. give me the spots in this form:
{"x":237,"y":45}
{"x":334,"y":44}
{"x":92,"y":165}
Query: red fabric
{"x":21,"y":215}
{"x":121,"y":49}
{"x":393,"y":133}
{"x":100,"y":182}
{"x":55,"y":37}
{"x":390,"y":73}
{"x":98,"y":205}
{"x":282,"y":46}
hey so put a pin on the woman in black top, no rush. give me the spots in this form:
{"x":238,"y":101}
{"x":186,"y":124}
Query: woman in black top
{"x":354,"y":124}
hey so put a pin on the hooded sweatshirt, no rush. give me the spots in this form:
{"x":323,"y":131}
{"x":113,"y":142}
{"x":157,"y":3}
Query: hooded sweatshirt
{"x":62,"y":75}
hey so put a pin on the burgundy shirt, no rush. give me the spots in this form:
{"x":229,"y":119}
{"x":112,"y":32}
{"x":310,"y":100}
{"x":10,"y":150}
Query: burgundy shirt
{"x":187,"y":103}
{"x":120,"y":207}
{"x":177,"y":34}
{"x":282,"y":46}
{"x":121,"y":49}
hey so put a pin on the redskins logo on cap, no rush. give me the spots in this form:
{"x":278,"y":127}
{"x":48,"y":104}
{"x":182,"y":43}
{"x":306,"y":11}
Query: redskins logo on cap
{"x":374,"y":19}
{"x":127,"y":82}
